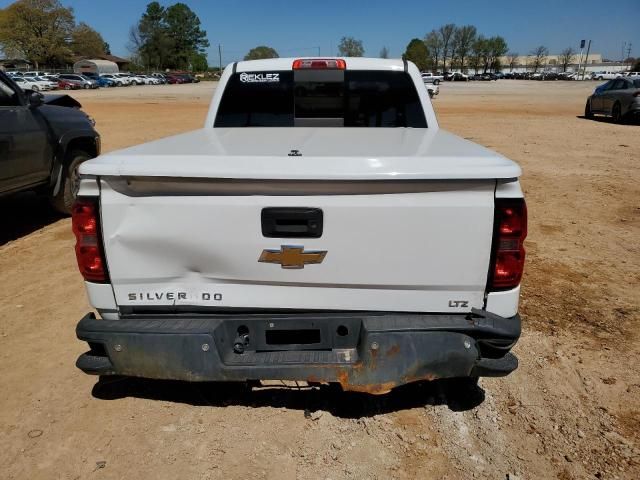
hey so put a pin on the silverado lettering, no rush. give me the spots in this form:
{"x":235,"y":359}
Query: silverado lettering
{"x":142,"y":296}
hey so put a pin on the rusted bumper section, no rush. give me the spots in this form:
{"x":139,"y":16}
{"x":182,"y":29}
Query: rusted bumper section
{"x":368,"y":352}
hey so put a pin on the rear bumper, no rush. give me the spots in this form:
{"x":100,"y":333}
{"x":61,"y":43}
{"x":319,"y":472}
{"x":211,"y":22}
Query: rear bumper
{"x":363,"y":352}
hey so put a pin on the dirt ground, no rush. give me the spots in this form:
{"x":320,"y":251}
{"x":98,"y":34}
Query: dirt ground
{"x":572,"y":409}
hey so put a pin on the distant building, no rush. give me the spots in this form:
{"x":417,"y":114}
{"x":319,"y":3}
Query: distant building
{"x":553,"y":63}
{"x":122,"y":63}
{"x":14,"y":64}
{"x":95,"y":66}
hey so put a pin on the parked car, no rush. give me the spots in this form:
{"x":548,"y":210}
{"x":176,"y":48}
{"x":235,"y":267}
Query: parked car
{"x":428,"y":77}
{"x":84,"y":82}
{"x":605,"y":75}
{"x":25,"y":84}
{"x":101,"y":81}
{"x":51,"y":78}
{"x":186,"y":78}
{"x":619,"y":99}
{"x":133,"y":79}
{"x":43,"y":85}
{"x":34,"y":74}
{"x":459,"y":77}
{"x":174,"y":79}
{"x":67,"y":85}
{"x":566,"y":76}
{"x":632,"y":74}
{"x":43,"y":140}
{"x":148,"y":79}
{"x":221,"y":270}
{"x":117,"y":80}
{"x":160,"y":76}
{"x":106,"y":82}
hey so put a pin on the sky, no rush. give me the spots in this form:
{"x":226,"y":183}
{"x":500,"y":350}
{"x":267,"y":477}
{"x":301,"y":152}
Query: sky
{"x":306,"y":27}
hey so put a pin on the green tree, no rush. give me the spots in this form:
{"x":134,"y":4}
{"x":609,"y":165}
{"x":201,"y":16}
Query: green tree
{"x":480,"y":52}
{"x":384,"y":52}
{"x":350,"y":47}
{"x":37,"y":30}
{"x":434,"y":48}
{"x":187,"y":38}
{"x":86,"y":42}
{"x":152,"y":45}
{"x":497,"y":48}
{"x":416,"y":52}
{"x":260,"y":52}
{"x":168,"y":37}
{"x":199,"y":62}
{"x":463,"y":39}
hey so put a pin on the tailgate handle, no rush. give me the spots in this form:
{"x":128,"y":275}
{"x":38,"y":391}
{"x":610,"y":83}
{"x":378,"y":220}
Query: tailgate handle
{"x":291,"y":222}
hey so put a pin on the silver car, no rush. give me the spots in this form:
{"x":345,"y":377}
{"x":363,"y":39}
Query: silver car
{"x":619,"y":99}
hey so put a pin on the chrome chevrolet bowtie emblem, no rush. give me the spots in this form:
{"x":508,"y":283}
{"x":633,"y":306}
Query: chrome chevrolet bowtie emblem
{"x":292,"y":257}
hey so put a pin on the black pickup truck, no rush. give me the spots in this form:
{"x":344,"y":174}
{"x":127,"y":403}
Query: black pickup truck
{"x":43,"y":140}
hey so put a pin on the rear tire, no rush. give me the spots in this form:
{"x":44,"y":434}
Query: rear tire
{"x":616,"y":113}
{"x":86,"y":86}
{"x":587,"y":111}
{"x":436,"y":82}
{"x":69,"y":182}
{"x":67,"y":87}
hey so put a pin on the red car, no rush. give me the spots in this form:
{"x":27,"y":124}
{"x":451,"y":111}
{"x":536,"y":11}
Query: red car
{"x":172,"y":79}
{"x":67,"y":85}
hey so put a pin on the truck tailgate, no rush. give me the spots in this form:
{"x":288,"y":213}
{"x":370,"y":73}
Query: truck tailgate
{"x":421,"y":246}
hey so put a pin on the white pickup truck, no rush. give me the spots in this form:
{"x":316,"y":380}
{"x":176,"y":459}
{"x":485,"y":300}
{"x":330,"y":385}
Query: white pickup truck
{"x":428,"y":77}
{"x":320,"y":227}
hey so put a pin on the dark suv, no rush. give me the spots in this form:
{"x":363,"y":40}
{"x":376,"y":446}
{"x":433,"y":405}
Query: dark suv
{"x":43,"y":141}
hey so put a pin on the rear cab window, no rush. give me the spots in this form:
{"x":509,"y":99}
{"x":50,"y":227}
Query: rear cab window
{"x":321,"y":98}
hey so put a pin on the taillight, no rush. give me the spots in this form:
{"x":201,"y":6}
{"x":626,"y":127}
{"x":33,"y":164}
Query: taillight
{"x":637,"y":94}
{"x":508,"y":243}
{"x":320,"y":64}
{"x":86,"y":227}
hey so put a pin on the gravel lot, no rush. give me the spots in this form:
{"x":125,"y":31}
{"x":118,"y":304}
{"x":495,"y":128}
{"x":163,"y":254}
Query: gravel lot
{"x":572,"y":409}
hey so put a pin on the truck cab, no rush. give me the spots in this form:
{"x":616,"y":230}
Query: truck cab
{"x":320,"y":227}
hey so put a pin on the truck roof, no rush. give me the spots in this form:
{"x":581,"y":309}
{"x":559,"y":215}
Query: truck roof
{"x":353,"y":63}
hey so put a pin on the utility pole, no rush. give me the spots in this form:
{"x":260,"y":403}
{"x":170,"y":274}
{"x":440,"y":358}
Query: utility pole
{"x":586,"y":59}
{"x":318,"y":51}
{"x":220,"y":59}
{"x":629,"y":53}
{"x":582,"y":42}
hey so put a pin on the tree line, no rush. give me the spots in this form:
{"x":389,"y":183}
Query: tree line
{"x":348,"y":47}
{"x":46,"y":33}
{"x":461,"y":47}
{"x":169,"y":37}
